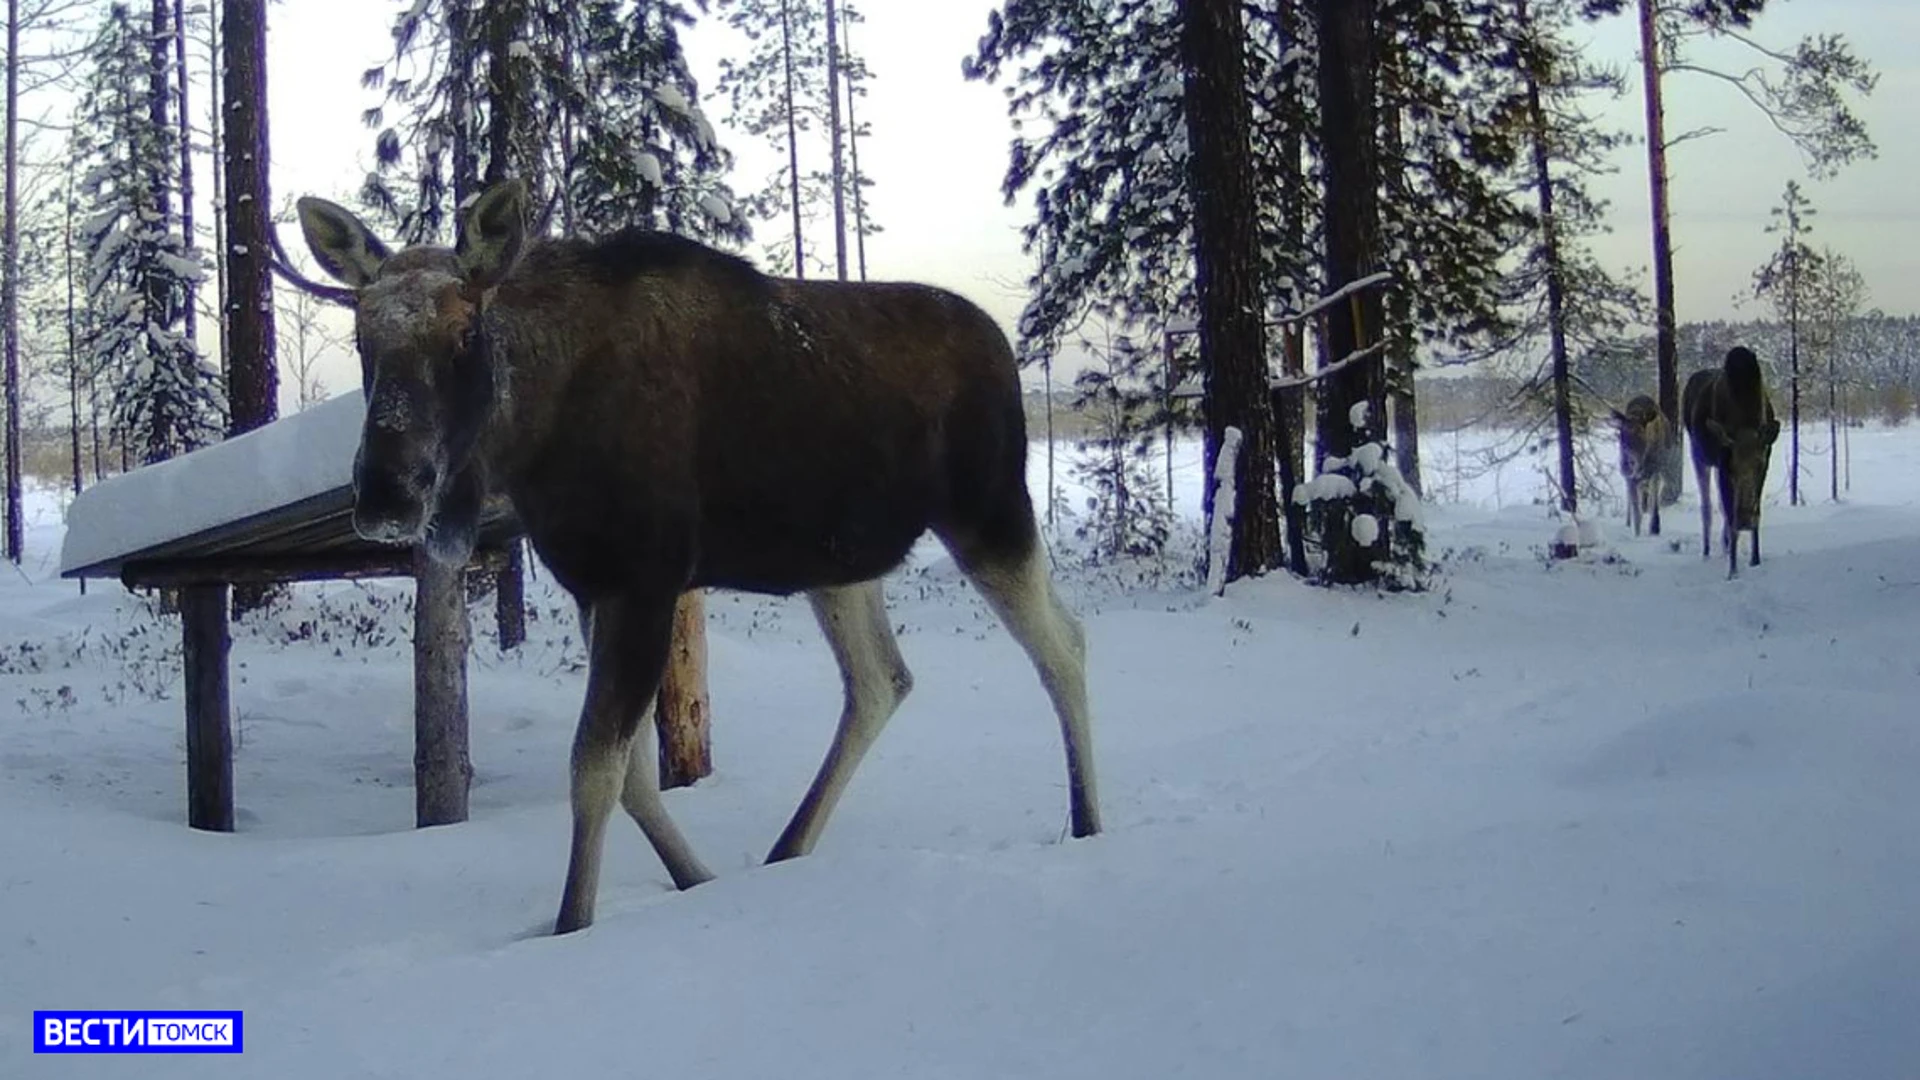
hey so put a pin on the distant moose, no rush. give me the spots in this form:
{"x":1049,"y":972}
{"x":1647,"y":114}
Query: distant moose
{"x":1647,"y":443}
{"x":1731,"y":427}
{"x":662,"y":417}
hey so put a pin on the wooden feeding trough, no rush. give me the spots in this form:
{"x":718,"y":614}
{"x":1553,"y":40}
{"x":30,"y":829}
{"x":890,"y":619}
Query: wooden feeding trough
{"x":274,"y":505}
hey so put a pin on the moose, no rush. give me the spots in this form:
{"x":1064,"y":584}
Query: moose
{"x":662,"y":416}
{"x":1731,"y":427}
{"x":1646,"y":445}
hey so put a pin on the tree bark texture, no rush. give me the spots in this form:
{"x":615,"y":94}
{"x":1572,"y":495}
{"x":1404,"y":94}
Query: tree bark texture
{"x":1349,"y":65}
{"x":253,"y":382}
{"x":686,"y":746}
{"x":1666,"y":325}
{"x":10,"y":291}
{"x":442,"y":770}
{"x":1233,"y":355}
{"x":205,"y":644}
{"x":1556,"y":287}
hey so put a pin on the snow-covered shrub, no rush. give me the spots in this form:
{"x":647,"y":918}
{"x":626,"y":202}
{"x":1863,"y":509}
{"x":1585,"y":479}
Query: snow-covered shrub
{"x":1363,"y":500}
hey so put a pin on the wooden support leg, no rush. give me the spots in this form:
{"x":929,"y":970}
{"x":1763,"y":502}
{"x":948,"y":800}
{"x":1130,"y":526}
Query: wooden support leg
{"x":203,"y":620}
{"x":686,"y":748}
{"x":442,"y":771}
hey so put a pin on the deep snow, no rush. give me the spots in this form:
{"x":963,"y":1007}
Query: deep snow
{"x":1611,"y":818}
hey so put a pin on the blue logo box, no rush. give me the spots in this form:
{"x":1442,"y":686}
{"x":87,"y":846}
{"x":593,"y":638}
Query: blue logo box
{"x":161,"y":1031}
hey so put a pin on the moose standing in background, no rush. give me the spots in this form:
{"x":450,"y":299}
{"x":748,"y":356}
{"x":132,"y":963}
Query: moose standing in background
{"x":1646,"y":444}
{"x":664,"y":417}
{"x":1731,"y":427}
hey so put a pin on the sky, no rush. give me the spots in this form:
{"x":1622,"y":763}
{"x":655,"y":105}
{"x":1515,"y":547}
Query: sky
{"x":939,"y":148}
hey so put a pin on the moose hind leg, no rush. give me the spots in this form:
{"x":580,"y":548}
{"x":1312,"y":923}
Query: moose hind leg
{"x":627,"y":652}
{"x":875,"y":680}
{"x":1021,"y":593}
{"x":640,"y":795}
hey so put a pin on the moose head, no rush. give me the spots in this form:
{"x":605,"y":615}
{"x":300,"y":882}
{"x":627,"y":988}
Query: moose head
{"x":431,"y":380}
{"x":1745,"y":452}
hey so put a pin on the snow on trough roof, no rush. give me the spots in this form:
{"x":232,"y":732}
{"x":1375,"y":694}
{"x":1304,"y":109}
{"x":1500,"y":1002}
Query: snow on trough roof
{"x":309,"y":453}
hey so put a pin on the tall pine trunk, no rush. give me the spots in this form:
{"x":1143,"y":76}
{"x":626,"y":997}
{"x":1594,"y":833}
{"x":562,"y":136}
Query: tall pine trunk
{"x":793,"y":139}
{"x":1348,"y":76}
{"x":1402,"y":406}
{"x":157,"y":293}
{"x":216,"y":138}
{"x":835,"y":141}
{"x":1666,"y":325}
{"x":1233,"y":355}
{"x":1556,"y":284}
{"x":1833,"y":423}
{"x":73,"y":336}
{"x":853,"y":164}
{"x":1290,"y":403}
{"x":10,"y":289}
{"x":185,"y":128}
{"x":253,"y":382}
{"x":509,"y":123}
{"x":1793,"y":362}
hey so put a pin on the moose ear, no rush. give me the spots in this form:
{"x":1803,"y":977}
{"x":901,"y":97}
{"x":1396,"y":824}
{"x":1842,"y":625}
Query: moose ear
{"x":340,"y":242}
{"x":492,"y":234}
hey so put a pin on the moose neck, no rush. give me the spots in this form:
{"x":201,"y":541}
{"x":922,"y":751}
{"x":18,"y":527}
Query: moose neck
{"x":533,"y":353}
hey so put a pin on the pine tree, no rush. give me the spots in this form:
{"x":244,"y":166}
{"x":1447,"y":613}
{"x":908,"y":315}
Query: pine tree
{"x":164,"y":399}
{"x":646,"y":153}
{"x":1109,"y":173}
{"x":253,"y":384}
{"x":1447,"y":153}
{"x":1580,"y":308}
{"x":1788,"y":280}
{"x":1227,"y":272}
{"x":591,"y":102}
{"x":1366,"y":517}
{"x":853,"y":71}
{"x":10,"y":292}
{"x":778,"y":92}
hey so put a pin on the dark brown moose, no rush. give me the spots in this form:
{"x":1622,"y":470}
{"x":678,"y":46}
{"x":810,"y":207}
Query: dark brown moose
{"x":1731,"y":427}
{"x":664,"y":417}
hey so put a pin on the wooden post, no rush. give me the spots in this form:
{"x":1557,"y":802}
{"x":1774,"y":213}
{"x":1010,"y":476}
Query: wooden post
{"x":686,"y":748}
{"x":442,"y":770}
{"x":204,"y":640}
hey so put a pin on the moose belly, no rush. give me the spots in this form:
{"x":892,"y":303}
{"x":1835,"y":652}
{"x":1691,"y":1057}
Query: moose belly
{"x":789,"y":541}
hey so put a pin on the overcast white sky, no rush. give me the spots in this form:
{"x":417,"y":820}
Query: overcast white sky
{"x":939,"y":147}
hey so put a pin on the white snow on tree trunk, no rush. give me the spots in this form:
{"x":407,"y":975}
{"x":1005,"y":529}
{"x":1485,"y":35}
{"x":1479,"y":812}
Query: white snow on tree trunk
{"x":1225,"y":496}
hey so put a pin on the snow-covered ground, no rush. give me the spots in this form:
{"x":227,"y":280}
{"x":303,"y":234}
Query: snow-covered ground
{"x":1611,"y":818}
